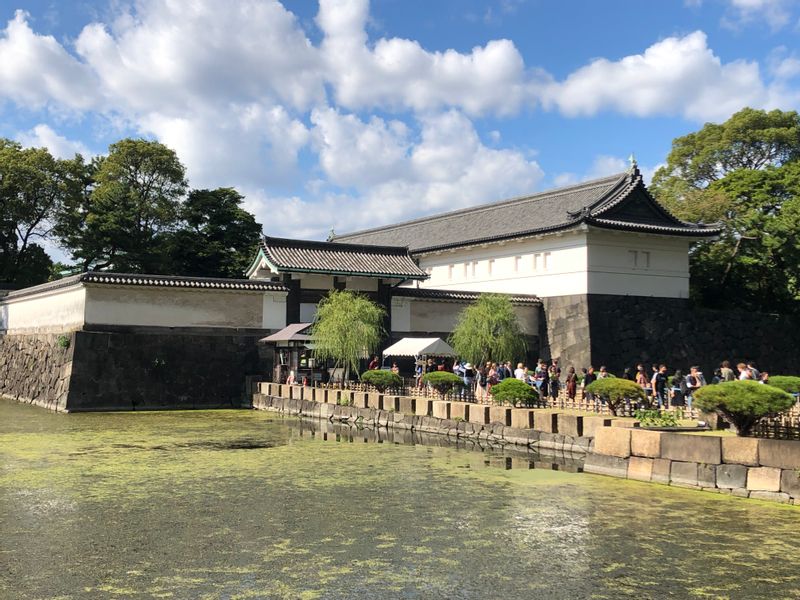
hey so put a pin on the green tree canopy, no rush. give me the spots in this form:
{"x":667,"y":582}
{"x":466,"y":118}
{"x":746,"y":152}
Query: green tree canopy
{"x":216,"y":237}
{"x":442,"y":381}
{"x":513,"y":391}
{"x":348,"y":327}
{"x":488,"y":330}
{"x":616,"y":392}
{"x":382,"y":380}
{"x":133,"y":198}
{"x":744,"y":173}
{"x":742,"y":403}
{"x":33,"y":188}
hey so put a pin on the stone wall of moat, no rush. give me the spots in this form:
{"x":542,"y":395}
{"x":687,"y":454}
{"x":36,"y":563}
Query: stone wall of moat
{"x":36,"y":369}
{"x":131,"y":370}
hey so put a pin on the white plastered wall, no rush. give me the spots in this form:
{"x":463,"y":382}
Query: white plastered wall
{"x":635,"y":264}
{"x":419,"y":314}
{"x":550,"y":265}
{"x":56,"y":311}
{"x":178,"y":307}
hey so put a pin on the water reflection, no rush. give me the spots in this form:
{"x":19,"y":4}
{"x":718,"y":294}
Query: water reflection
{"x":501,"y":456}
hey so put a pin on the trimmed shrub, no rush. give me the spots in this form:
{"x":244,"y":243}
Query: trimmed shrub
{"x":787,"y":383}
{"x":382,"y":380}
{"x":742,"y":403}
{"x":442,"y":381}
{"x":616,"y":391}
{"x":513,"y":391}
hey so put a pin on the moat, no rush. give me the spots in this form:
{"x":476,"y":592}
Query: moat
{"x":247,"y":504}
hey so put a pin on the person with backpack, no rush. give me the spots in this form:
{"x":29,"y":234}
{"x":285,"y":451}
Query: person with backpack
{"x":482,"y":385}
{"x":694,"y":381}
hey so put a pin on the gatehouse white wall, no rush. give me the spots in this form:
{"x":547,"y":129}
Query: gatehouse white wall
{"x":581,"y":261}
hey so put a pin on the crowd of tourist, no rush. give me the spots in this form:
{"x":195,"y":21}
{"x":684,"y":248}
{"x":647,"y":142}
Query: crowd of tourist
{"x":548,"y":379}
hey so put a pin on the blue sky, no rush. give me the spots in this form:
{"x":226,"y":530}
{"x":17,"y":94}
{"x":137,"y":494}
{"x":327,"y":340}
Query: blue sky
{"x":349,"y":114}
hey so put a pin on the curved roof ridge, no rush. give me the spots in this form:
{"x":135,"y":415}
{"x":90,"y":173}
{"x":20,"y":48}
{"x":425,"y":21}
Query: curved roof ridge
{"x":551,"y":193}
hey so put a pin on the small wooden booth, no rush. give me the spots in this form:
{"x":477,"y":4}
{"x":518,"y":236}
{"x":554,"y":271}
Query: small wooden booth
{"x":294,"y":354}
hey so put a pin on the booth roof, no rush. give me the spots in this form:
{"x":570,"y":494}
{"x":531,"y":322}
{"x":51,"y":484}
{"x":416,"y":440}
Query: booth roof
{"x":419,"y":347}
{"x":291,"y":333}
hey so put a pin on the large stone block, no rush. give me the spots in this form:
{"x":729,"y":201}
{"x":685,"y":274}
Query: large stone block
{"x":731,"y":476}
{"x":707,"y":476}
{"x":646,"y":443}
{"x":545,"y":420}
{"x":624,"y":422}
{"x":375,"y":400}
{"x":522,"y":418}
{"x":592,"y":424}
{"x":691,"y":448}
{"x":613,"y":441}
{"x":407,"y":405}
{"x":500,"y":414}
{"x":740,"y":451}
{"x":360,"y":399}
{"x":459,"y":411}
{"x":286,"y":391}
{"x":765,"y":479}
{"x":602,"y":464}
{"x":441,"y":409}
{"x":790,"y":482}
{"x":390,"y":403}
{"x":296,"y":392}
{"x":479,"y":413}
{"x":784,"y":454}
{"x":640,"y":468}
{"x":661,"y":470}
{"x":423,"y":407}
{"x":771,"y":496}
{"x":570,"y":425}
{"x":683,"y":473}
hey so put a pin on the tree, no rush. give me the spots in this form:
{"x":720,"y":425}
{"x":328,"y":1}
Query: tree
{"x":215,"y":238}
{"x":744,"y":173}
{"x":442,"y":381}
{"x":616,"y":392}
{"x":488,"y":330}
{"x":513,"y":390}
{"x":130,"y":202}
{"x":348,"y":326}
{"x":742,"y":403}
{"x":33,"y":188}
{"x":382,"y":380}
{"x":787,"y":383}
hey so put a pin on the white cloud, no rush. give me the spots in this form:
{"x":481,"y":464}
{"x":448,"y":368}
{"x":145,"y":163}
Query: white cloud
{"x":775,"y":13}
{"x":35,"y":70}
{"x":399,"y":74}
{"x":395,"y":178}
{"x":678,"y":75}
{"x":42,"y":136}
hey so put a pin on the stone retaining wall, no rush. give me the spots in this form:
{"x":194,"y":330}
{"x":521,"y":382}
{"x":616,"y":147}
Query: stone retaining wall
{"x":131,"y":370}
{"x":36,"y":369}
{"x":454,"y":419}
{"x":747,"y":467}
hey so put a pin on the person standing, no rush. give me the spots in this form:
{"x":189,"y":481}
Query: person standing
{"x":589,"y":377}
{"x":571,"y":383}
{"x":726,"y":372}
{"x":374,"y":364}
{"x":744,"y":372}
{"x":660,"y":386}
{"x":554,"y":378}
{"x":482,"y":384}
{"x":521,"y":372}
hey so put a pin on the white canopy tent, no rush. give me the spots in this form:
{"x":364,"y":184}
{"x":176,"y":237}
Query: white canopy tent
{"x":420,"y":347}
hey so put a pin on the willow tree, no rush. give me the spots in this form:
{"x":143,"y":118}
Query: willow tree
{"x":488,"y":330}
{"x":347,"y":328}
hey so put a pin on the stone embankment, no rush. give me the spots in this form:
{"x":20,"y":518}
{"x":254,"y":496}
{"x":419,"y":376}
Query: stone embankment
{"x":542,"y":431}
{"x":747,"y":467}
{"x":36,"y":369}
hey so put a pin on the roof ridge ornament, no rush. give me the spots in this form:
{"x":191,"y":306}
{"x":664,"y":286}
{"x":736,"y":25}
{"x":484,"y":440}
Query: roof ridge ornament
{"x":633,"y":169}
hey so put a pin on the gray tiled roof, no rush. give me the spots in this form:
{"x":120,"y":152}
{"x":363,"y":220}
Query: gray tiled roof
{"x":528,"y":215}
{"x":340,"y":259}
{"x":457,"y":295}
{"x":131,"y":279}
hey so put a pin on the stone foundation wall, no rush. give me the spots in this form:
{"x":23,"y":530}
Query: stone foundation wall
{"x":132,"y":370}
{"x":748,"y":467}
{"x":36,"y":369}
{"x":627,"y":329}
{"x":564,"y":330}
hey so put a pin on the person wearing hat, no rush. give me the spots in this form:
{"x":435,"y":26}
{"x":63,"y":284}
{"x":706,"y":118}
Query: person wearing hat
{"x":469,"y":377}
